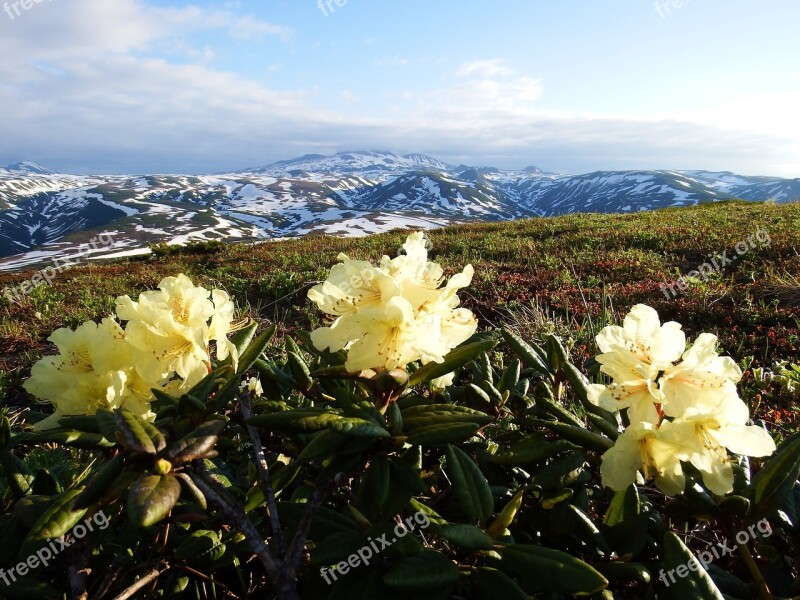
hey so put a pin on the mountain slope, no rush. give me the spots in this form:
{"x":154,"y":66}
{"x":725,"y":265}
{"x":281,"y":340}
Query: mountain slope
{"x":44,"y":215}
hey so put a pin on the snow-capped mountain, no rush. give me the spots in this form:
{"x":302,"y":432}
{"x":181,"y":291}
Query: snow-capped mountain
{"x":45,"y":215}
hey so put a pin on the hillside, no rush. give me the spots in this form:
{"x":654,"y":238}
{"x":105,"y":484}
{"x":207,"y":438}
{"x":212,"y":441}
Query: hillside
{"x":45,"y":215}
{"x":528,"y":272}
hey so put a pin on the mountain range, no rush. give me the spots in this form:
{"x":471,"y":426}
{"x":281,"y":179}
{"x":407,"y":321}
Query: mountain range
{"x":46,"y":215}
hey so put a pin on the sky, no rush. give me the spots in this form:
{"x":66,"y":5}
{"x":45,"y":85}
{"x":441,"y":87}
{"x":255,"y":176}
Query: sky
{"x":168,"y":86}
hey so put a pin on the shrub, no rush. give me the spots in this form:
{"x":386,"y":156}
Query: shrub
{"x":394,"y":453}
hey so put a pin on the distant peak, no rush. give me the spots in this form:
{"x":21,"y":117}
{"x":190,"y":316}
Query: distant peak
{"x":29,"y":168}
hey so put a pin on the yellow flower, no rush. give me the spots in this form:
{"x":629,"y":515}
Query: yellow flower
{"x":385,"y":337}
{"x":395,"y":314}
{"x":92,"y":371}
{"x":633,"y":356}
{"x":704,"y":441}
{"x":221,"y":326}
{"x":169,"y":327}
{"x":643,"y":448}
{"x":351,"y":285}
{"x":702,"y":382}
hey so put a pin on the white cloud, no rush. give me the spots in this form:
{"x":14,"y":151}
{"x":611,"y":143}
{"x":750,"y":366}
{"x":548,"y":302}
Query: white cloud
{"x":485,"y":68}
{"x":349,"y":97}
{"x":247,"y":28}
{"x":395,"y":61}
{"x":87,"y":90}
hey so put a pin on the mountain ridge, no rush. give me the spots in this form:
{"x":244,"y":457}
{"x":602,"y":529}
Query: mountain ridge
{"x":44,"y":214}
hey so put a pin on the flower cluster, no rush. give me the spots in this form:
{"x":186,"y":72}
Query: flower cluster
{"x":393,"y":314}
{"x":164,"y":345}
{"x":682,"y":405}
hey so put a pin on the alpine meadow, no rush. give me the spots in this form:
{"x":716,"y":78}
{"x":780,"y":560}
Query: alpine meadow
{"x":406,"y":363}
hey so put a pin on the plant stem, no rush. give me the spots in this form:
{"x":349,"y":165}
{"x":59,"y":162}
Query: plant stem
{"x":263,"y":469}
{"x":151,"y":576}
{"x":225,"y":504}
{"x":761,"y":584}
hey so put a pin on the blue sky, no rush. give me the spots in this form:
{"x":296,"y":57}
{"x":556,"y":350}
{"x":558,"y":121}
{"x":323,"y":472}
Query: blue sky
{"x":134,"y":86}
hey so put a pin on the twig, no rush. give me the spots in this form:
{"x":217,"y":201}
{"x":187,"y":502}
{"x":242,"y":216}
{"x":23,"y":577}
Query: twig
{"x":222,"y":501}
{"x":263,"y":469}
{"x":224,"y":587}
{"x":151,"y":576}
{"x":758,"y":578}
{"x":295,"y":553}
{"x":110,"y":577}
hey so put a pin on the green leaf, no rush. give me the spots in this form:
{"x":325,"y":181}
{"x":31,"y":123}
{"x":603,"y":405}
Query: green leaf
{"x":87,"y":423}
{"x":302,"y":420}
{"x":541,"y":569}
{"x":506,"y":516}
{"x":194,"y":493}
{"x":469,"y":485}
{"x":428,"y":571}
{"x":530,"y":450}
{"x":560,"y":472}
{"x":467,"y":537}
{"x":557,"y":355}
{"x":626,"y":572}
{"x":5,"y":432}
{"x":439,"y":435}
{"x":202,"y":545}
{"x":688,"y":582}
{"x":374,"y":489}
{"x":624,"y":505}
{"x":196,"y":444}
{"x":434,"y":415}
{"x":244,"y":337}
{"x":256,"y":349}
{"x":75,"y":439}
{"x":531,"y":356}
{"x":558,"y":411}
{"x":30,"y":508}
{"x":577,"y":435}
{"x":61,"y":516}
{"x":151,"y":499}
{"x":300,"y":371}
{"x":359,"y":407}
{"x":510,"y":377}
{"x":20,"y":478}
{"x":358,"y":428}
{"x":100,"y":482}
{"x":490,"y":584}
{"x":133,"y":433}
{"x":772,"y":485}
{"x":394,"y":418}
{"x":454,"y":360}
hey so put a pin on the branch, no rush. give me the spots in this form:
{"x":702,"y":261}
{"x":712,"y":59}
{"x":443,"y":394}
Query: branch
{"x":295,"y":553}
{"x":263,"y":469}
{"x":150,"y":577}
{"x":225,"y":504}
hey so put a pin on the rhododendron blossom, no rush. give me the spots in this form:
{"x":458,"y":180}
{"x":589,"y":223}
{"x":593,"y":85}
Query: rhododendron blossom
{"x":394,"y":314}
{"x":682,"y":405}
{"x":164,"y":345}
